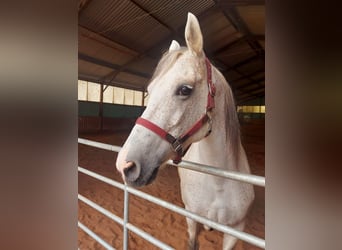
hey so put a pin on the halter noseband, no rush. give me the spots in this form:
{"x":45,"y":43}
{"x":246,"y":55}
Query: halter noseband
{"x":177,"y":143}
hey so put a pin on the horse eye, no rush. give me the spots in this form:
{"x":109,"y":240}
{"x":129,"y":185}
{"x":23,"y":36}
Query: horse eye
{"x":184,"y":90}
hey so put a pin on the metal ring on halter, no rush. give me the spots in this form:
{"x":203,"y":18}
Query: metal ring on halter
{"x":210,"y":122}
{"x":177,"y":146}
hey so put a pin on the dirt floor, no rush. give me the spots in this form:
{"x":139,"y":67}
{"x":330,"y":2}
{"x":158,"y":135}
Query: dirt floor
{"x":163,"y":224}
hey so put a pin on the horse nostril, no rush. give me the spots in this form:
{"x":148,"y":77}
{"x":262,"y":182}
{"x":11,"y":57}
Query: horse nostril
{"x":132,"y":171}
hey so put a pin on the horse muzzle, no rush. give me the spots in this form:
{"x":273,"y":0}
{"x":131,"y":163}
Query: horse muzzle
{"x":133,"y":175}
{"x":135,"y":169}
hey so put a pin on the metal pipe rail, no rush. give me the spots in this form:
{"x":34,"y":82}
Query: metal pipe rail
{"x":95,"y":236}
{"x":128,"y":226}
{"x":223,"y":228}
{"x":248,"y":178}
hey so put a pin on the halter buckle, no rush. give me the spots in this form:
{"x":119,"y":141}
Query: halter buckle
{"x":177,"y":146}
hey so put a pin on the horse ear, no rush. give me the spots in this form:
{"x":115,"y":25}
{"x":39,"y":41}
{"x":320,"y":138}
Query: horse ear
{"x":193,"y":35}
{"x":174,"y":46}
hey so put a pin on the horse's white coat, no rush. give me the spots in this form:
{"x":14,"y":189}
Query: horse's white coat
{"x":222,"y":200}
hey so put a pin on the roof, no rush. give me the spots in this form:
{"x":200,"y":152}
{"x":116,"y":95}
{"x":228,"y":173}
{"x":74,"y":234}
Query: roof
{"x":121,"y":42}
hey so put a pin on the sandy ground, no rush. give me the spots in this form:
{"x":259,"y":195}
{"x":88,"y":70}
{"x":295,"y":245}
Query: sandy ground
{"x":163,"y":224}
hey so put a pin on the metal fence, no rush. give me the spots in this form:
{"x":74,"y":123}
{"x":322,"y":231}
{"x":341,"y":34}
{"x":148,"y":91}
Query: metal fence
{"x":252,"y":179}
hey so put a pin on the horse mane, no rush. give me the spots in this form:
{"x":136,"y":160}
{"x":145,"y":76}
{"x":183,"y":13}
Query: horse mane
{"x":232,"y":120}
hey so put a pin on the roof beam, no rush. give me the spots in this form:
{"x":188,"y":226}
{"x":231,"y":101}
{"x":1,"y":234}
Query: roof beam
{"x":243,"y":86}
{"x":256,"y":92}
{"x":91,"y":35}
{"x":246,"y":99}
{"x":120,"y":84}
{"x":251,"y":90}
{"x":174,"y":32}
{"x":94,"y":33}
{"x":239,"y":64}
{"x":223,"y":69}
{"x":233,"y":16}
{"x":248,"y":92}
{"x":241,"y":2}
{"x":247,"y":76}
{"x":110,"y":65}
{"x":238,"y":41}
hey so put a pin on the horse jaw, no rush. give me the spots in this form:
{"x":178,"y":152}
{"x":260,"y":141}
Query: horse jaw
{"x":193,"y":35}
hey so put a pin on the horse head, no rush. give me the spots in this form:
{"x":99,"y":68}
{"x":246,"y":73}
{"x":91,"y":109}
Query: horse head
{"x":179,"y":98}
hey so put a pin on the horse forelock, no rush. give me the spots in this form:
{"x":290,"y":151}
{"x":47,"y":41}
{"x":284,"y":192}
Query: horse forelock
{"x":168,"y":59}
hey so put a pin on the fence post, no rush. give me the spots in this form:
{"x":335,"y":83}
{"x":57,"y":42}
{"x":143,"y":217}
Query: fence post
{"x":126,"y":215}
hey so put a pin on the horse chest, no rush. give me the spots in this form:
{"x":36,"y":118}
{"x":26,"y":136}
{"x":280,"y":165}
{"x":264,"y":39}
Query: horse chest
{"x":213,"y":197}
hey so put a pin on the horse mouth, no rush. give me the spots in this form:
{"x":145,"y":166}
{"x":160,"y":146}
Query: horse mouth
{"x":153,"y":176}
{"x":144,"y":180}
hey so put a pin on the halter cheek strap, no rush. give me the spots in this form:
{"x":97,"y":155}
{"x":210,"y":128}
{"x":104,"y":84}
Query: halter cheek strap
{"x":177,"y":143}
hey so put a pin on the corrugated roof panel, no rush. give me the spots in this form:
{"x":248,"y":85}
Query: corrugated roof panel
{"x":124,"y":22}
{"x":252,"y":87}
{"x":98,"y":50}
{"x":236,"y":54}
{"x":132,"y":79}
{"x":95,"y":16}
{"x":231,"y":75}
{"x":88,"y":46}
{"x":144,"y":64}
{"x":104,"y":41}
{"x":90,"y":69}
{"x":241,"y":82}
{"x":252,"y":66}
{"x":174,"y":13}
{"x":257,"y":91}
{"x":243,"y":94}
{"x":254,"y":17}
{"x":218,"y":31}
{"x":258,"y":76}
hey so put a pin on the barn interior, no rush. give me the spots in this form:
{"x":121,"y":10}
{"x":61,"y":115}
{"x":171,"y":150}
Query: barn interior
{"x":119,"y":46}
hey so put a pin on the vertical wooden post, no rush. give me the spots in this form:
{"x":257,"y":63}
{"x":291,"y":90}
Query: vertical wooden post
{"x":143,"y":98}
{"x":101,"y":107}
{"x":143,"y":101}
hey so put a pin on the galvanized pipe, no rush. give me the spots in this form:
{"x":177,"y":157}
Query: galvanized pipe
{"x":126,"y":214}
{"x":129,"y":226}
{"x":223,"y":228}
{"x":99,"y":145}
{"x":252,"y":179}
{"x":95,"y":236}
{"x":248,"y":178}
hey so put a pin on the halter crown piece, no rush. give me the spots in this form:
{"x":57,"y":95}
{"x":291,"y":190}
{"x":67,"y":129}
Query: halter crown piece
{"x":177,"y":143}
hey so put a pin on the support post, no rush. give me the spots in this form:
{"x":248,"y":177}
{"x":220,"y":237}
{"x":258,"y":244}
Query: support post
{"x":126,"y":215}
{"x":101,"y":107}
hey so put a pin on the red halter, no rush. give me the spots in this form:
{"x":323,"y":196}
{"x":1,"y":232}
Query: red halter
{"x":177,"y":143}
